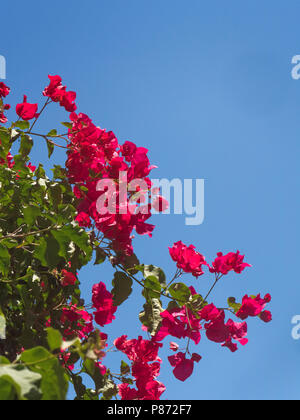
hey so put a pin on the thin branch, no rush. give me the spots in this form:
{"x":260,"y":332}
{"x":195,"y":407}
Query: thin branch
{"x":23,"y":235}
{"x":47,"y":103}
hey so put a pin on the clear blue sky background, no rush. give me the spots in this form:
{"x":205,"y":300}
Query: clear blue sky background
{"x":207,"y":87}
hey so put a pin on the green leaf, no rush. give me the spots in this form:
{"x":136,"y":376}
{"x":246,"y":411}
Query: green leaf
{"x":67,"y":124}
{"x":54,"y":385}
{"x":90,"y":368}
{"x":125,"y":368}
{"x":40,"y":172}
{"x":10,"y":243}
{"x":152,"y":288}
{"x":59,"y":172}
{"x":130,"y":263}
{"x":68,"y":234}
{"x":4,"y":260}
{"x":233,"y":304}
{"x":20,"y":165}
{"x":23,"y":381}
{"x":5,"y":142}
{"x":50,"y":147}
{"x":150,"y":317}
{"x":151,"y":270}
{"x":180,"y":292}
{"x":100,"y":256}
{"x":197,"y":303}
{"x":55,"y":194}
{"x":90,"y":395}
{"x":7,"y":392}
{"x":23,"y":125}
{"x":48,"y":251}
{"x":122,"y":287}
{"x":30,"y":215}
{"x":54,"y":339}
{"x":80,"y":389}
{"x":52,"y":133}
{"x":26,"y":145}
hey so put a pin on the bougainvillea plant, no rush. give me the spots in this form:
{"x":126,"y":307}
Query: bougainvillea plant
{"x":51,"y":228}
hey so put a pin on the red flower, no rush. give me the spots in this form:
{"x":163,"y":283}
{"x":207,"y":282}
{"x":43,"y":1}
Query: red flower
{"x":65,"y":99}
{"x":128,"y":149}
{"x":138,"y":349}
{"x":58,"y":93}
{"x":177,"y":323}
{"x":83,"y":219}
{"x":3,"y":118}
{"x":55,"y":82}
{"x":77,"y":322}
{"x":31,"y":167}
{"x":103,"y":303}
{"x":254,"y":306}
{"x":102,"y":368}
{"x":27,"y":111}
{"x":183,"y":367}
{"x":219,"y":332}
{"x":266,"y":316}
{"x":141,"y":352}
{"x":196,"y":357}
{"x":64,"y":357}
{"x":96,"y":154}
{"x":188,"y":259}
{"x":4,"y":90}
{"x":225,"y":263}
{"x":68,"y":279}
{"x":127,"y":393}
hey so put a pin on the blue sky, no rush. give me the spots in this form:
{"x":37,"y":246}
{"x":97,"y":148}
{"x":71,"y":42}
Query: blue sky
{"x":207,"y":87}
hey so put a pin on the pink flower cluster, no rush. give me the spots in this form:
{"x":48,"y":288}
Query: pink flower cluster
{"x":27,"y":111}
{"x":103,"y":303}
{"x":180,"y":323}
{"x":188,"y":259}
{"x":4,"y":91}
{"x":254,"y":306}
{"x":58,"y":93}
{"x":183,"y":323}
{"x":68,"y":279}
{"x":76,"y":321}
{"x":183,"y":367}
{"x":233,"y":261}
{"x":191,"y":261}
{"x":145,"y":369}
{"x":95,"y":154}
{"x":220,"y":332}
